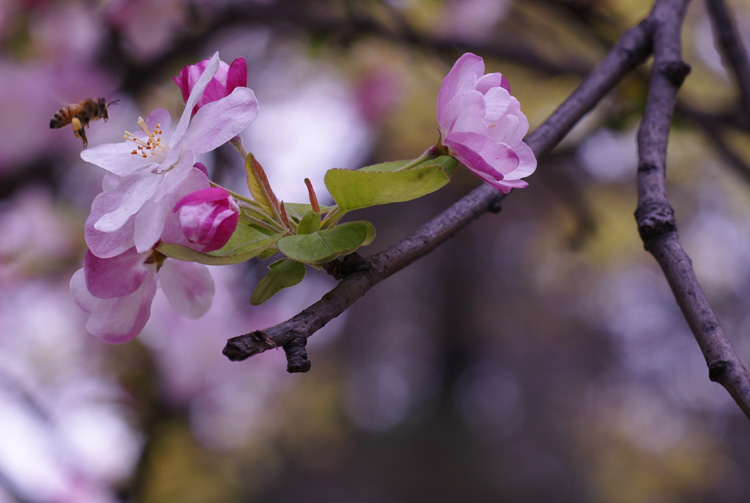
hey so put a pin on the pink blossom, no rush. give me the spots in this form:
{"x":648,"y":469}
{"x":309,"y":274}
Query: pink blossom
{"x":117,"y":292}
{"x":482,"y":126}
{"x":208,"y":217}
{"x":152,"y":165}
{"x":226,"y":80}
{"x":151,"y":223}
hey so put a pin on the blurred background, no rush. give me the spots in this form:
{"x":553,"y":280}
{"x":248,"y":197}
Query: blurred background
{"x":537,"y":356}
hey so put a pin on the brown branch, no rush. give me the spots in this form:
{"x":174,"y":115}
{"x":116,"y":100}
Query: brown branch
{"x":656,"y":221}
{"x":733,"y":52}
{"x":632,"y":49}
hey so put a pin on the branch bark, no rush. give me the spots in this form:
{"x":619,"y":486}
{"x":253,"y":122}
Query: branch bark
{"x":655,"y":217}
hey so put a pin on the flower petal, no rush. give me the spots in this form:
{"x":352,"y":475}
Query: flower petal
{"x":188,"y":287}
{"x":237,"y":74}
{"x":496,"y":103}
{"x":506,"y":185}
{"x":219,"y":121}
{"x":116,"y":158}
{"x":107,"y":244}
{"x":481,"y":154}
{"x":208,"y":217}
{"x":107,"y":278}
{"x":460,"y":79}
{"x":81,"y":295}
{"x":151,"y":216}
{"x":492,"y":80}
{"x":121,"y":319}
{"x":195,"y":181}
{"x":526,"y":162}
{"x":195,"y":94}
{"x":464,"y":113}
{"x":132,"y":200}
{"x":188,"y":76}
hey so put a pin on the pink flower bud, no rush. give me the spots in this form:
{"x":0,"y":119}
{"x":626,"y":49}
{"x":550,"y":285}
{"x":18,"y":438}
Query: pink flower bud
{"x":482,"y":125}
{"x":226,"y":79}
{"x":208,"y":217}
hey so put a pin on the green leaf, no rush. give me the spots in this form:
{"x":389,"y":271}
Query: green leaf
{"x":327,"y":244}
{"x":245,"y":243}
{"x":282,"y":274}
{"x":388,"y":182}
{"x":259,"y":187}
{"x":309,"y":223}
{"x":297,"y":210}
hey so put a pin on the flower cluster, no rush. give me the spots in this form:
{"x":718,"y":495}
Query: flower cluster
{"x":155,"y":192}
{"x":158,"y":216}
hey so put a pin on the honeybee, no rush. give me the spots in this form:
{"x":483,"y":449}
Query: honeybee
{"x":79,"y":116}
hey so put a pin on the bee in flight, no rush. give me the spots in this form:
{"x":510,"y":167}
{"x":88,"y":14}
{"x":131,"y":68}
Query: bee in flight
{"x":79,"y":116}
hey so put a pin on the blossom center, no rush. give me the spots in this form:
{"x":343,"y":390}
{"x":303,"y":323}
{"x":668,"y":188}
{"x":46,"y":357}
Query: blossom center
{"x":152,"y":145}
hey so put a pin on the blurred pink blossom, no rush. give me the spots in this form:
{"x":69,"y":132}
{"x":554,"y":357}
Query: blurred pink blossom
{"x":208,"y":217}
{"x":148,"y":27}
{"x":226,"y":80}
{"x":36,"y":236}
{"x":379,"y":92}
{"x":66,"y":31}
{"x":482,"y":125}
{"x":473,"y":19}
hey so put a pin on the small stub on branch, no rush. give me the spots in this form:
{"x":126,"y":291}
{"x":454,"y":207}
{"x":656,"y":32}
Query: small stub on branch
{"x":655,"y":220}
{"x":676,"y":71}
{"x":350,"y":264}
{"x":496,"y":205}
{"x":296,"y":355}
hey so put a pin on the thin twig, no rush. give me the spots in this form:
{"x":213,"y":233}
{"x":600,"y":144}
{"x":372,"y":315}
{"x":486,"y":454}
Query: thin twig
{"x":733,"y":51}
{"x":631,"y":50}
{"x":656,"y":221}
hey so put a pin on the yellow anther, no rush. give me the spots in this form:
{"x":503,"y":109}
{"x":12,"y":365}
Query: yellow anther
{"x":152,"y":142}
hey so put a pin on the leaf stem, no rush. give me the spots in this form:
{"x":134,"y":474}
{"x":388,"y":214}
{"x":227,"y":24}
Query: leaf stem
{"x":426,"y":155}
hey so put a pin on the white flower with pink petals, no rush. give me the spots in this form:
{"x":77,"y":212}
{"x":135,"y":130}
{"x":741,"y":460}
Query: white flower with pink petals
{"x":152,"y":164}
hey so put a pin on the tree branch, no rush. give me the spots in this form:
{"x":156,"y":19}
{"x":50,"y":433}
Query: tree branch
{"x":733,"y":51}
{"x":631,"y":50}
{"x":656,"y":221}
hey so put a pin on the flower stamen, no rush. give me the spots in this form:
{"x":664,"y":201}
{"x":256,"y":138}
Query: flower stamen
{"x":151,"y":145}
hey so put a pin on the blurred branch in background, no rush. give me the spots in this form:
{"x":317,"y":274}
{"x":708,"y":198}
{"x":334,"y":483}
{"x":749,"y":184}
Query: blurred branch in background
{"x":733,"y":51}
{"x":715,"y":130}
